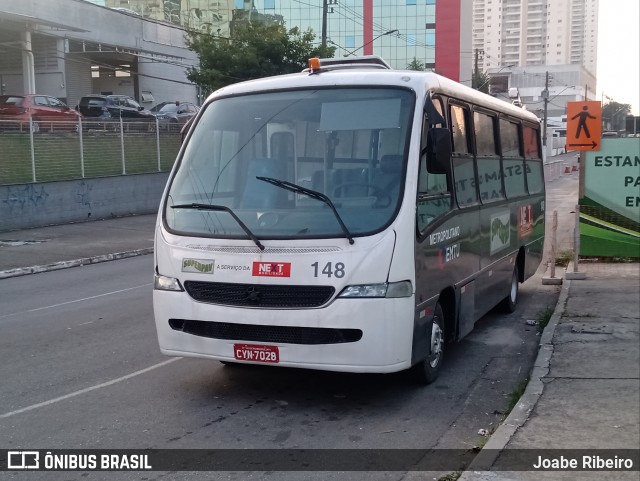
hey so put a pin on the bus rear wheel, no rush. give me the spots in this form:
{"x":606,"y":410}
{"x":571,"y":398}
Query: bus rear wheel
{"x":427,"y":370}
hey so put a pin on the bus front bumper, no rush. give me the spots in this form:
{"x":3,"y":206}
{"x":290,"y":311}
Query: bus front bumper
{"x":384,"y":346}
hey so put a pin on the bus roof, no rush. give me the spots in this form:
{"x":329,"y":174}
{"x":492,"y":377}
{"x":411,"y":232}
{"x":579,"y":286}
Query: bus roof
{"x":357,"y":71}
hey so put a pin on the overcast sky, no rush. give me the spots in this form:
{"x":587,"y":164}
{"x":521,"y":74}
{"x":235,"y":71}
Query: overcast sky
{"x":619,"y":52}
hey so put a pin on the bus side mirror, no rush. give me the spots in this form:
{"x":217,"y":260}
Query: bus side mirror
{"x":439,"y":151}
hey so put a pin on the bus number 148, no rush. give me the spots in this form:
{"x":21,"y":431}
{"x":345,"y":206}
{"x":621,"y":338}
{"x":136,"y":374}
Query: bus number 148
{"x":330,"y":269}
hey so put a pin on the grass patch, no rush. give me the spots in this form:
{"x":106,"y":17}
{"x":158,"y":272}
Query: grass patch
{"x":61,"y":155}
{"x":483,"y":441}
{"x":613,"y":260}
{"x":564,"y":257}
{"x":516,"y":394}
{"x":451,"y":476}
{"x":543,"y":317}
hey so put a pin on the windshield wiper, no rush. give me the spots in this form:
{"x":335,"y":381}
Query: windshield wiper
{"x":310,"y":193}
{"x":221,"y":208}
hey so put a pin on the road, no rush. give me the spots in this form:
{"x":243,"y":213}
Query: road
{"x":81,"y":369}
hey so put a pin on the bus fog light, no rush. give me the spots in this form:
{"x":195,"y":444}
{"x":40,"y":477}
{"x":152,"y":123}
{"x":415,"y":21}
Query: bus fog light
{"x":366,"y":290}
{"x":399,"y":289}
{"x":164,"y":283}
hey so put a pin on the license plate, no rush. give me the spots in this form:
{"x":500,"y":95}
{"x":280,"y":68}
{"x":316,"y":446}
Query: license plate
{"x":256,"y":353}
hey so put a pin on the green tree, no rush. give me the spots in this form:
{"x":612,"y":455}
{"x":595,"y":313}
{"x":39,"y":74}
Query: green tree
{"x":253,"y":50}
{"x":480,"y":81}
{"x":416,"y":64}
{"x":614,"y":115}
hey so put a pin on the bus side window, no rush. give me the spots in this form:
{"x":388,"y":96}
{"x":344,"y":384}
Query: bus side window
{"x":533,"y":159}
{"x":434,"y":194}
{"x":463,"y":171}
{"x":512,"y":161}
{"x":489,"y":179}
{"x":434,"y":198}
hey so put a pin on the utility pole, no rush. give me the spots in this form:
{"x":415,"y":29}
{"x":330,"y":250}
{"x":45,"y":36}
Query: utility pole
{"x":325,"y":9}
{"x":545,"y":97}
{"x":475,"y":67}
{"x":476,"y":80}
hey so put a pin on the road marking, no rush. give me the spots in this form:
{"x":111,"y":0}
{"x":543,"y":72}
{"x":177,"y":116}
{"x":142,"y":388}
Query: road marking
{"x":76,"y":300}
{"x":89,"y":389}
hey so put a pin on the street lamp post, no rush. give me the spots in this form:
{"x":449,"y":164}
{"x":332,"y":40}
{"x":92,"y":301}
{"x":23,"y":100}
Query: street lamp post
{"x":389,"y":32}
{"x":545,"y":97}
{"x":613,"y":117}
{"x":604,"y":96}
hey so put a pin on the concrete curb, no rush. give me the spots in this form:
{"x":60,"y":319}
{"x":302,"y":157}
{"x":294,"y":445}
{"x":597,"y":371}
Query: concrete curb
{"x":23,"y":271}
{"x":571,"y":273}
{"x":520,"y":413}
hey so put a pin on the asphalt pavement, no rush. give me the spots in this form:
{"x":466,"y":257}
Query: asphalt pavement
{"x":583,"y":393}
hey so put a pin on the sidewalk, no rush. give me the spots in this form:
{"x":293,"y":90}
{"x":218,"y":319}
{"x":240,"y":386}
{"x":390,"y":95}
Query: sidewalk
{"x":584,"y":391}
{"x":42,"y":249}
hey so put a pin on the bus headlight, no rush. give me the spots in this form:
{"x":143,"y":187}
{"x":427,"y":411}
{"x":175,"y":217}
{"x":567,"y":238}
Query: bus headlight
{"x":388,"y":289}
{"x":399,"y":289}
{"x":164,"y":283}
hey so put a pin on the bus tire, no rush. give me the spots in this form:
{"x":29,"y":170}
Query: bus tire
{"x":427,"y":370}
{"x":510,"y":302}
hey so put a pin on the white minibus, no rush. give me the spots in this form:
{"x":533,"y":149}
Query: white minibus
{"x":349,"y":217}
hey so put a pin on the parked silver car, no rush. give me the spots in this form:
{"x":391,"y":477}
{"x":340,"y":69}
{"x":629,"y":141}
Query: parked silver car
{"x":173,"y":115}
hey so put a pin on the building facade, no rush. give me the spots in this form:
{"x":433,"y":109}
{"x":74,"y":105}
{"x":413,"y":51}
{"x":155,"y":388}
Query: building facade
{"x":535,"y":32}
{"x":419,"y":32}
{"x":71,"y":48}
{"x":566,"y":83}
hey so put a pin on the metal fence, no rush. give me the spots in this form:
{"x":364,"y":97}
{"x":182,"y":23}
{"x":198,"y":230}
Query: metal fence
{"x":48,"y":150}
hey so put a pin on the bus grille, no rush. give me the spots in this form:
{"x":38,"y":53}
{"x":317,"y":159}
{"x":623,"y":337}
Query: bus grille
{"x":255,"y":295}
{"x":260,"y":333}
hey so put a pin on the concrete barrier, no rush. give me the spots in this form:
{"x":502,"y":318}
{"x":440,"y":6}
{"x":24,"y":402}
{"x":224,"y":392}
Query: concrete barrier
{"x":553,"y":170}
{"x":49,"y":203}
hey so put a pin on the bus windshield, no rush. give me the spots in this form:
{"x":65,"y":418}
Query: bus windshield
{"x":335,"y":160}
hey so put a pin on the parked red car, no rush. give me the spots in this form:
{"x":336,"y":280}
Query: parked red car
{"x":47,"y":113}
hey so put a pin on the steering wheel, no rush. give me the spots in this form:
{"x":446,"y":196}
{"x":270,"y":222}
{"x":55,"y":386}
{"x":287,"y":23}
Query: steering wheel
{"x":383,"y":199}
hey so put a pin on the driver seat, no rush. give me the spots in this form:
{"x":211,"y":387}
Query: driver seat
{"x":388,"y":175}
{"x":258,"y":194}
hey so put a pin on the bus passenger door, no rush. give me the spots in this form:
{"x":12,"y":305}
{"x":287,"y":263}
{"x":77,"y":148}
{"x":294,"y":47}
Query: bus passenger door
{"x":467,"y":199}
{"x":495,"y":216}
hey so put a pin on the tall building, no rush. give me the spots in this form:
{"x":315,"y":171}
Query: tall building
{"x":535,"y":32}
{"x":402,"y":32}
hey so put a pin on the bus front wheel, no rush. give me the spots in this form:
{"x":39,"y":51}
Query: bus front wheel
{"x":510,"y":302}
{"x":427,"y":370}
